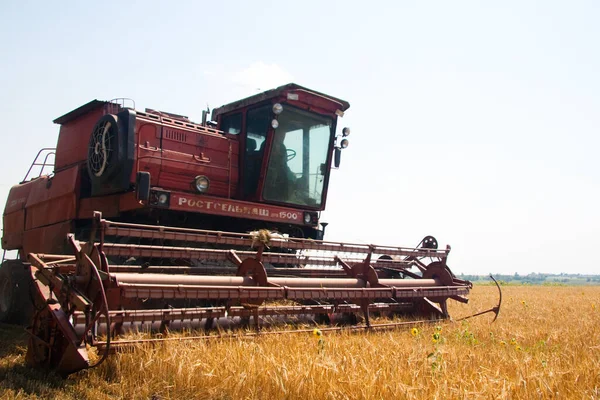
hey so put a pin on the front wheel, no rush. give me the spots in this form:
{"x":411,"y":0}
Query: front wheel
{"x":15,"y":299}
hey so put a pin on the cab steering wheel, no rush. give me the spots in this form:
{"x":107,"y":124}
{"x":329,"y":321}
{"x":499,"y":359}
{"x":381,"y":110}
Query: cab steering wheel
{"x":290,"y":154}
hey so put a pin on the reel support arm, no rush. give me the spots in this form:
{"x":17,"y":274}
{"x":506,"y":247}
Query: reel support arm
{"x":331,"y":280}
{"x":495,"y":310}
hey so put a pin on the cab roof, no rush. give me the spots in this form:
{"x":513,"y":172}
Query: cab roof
{"x":269,"y":94}
{"x":79,"y":111}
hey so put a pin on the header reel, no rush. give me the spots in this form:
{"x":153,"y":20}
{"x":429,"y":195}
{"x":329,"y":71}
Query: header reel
{"x":229,"y":280}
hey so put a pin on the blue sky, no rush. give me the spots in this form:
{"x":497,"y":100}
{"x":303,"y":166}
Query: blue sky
{"x":476,"y":122}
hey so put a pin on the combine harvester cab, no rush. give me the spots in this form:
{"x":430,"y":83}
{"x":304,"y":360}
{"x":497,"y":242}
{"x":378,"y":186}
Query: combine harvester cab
{"x":211,"y":224}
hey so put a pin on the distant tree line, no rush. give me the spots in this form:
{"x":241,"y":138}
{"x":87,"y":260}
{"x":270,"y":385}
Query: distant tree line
{"x":536,"y":279}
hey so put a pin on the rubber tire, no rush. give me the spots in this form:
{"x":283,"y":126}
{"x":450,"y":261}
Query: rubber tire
{"x":15,"y":297}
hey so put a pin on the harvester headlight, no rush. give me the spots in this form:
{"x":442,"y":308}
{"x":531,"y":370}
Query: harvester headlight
{"x":159,"y":198}
{"x":346,"y":131}
{"x":311,"y":218}
{"x":201,"y":183}
{"x":344,"y":143}
{"x":275,"y":124}
{"x":277,"y":108}
{"x":307,"y":218}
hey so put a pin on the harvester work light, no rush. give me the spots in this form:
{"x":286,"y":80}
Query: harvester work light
{"x":277,"y":108}
{"x":311,"y":218}
{"x":201,"y":183}
{"x":307,"y":218}
{"x":163,"y":199}
{"x":159,"y":198}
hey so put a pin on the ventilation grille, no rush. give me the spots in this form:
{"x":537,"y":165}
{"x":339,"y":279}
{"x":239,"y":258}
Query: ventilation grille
{"x":175,"y":135}
{"x":171,"y":121}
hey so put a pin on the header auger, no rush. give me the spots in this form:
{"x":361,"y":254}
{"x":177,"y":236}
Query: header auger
{"x":84,"y":296}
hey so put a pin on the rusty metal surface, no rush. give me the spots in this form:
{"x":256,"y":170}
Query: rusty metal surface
{"x":307,"y":272}
{"x":53,"y":342}
{"x":246,"y":240}
{"x":133,"y":250}
{"x":220,"y":280}
{"x":125,"y":344}
{"x":495,"y":309}
{"x":191,"y":314}
{"x":173,"y":252}
{"x":157,"y":291}
{"x":279,"y":91}
{"x":329,"y":279}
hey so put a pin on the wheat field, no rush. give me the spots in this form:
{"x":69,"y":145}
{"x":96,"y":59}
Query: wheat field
{"x":545,"y":344}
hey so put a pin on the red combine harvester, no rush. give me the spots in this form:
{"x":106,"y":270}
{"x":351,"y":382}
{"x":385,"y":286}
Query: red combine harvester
{"x":150,"y":221}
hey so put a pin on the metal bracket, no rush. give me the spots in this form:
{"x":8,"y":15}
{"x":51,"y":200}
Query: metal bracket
{"x":495,"y":310}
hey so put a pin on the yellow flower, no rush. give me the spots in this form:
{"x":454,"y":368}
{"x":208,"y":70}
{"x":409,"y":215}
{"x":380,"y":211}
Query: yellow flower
{"x":503,"y":343}
{"x":438,"y":329}
{"x":513,"y":341}
{"x":414,"y":332}
{"x":518,"y":348}
{"x":317,"y":332}
{"x":593,"y":306}
{"x":436,"y":337}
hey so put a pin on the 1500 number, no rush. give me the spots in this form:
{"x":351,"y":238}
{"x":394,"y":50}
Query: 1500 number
{"x":288,"y":215}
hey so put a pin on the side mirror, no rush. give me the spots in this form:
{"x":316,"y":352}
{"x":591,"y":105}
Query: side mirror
{"x":337,"y":157}
{"x":323,"y":169}
{"x":142,"y":183}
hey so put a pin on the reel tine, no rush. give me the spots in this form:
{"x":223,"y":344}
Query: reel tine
{"x":495,"y":310}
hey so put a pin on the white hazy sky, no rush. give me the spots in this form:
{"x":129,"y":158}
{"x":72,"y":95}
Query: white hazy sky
{"x":476,"y":122}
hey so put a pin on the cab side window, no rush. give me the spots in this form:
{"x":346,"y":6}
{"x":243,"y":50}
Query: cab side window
{"x":258,"y":121}
{"x":232,"y":123}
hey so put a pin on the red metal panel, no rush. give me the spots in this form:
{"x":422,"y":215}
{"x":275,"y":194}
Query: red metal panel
{"x":12,"y":234}
{"x":175,"y":152}
{"x":246,"y":240}
{"x":188,"y":314}
{"x":132,"y":290}
{"x":45,"y":188}
{"x":14,"y":215}
{"x":315,"y":100}
{"x":347,"y":294}
{"x":148,"y":151}
{"x":441,"y":291}
{"x":108,"y":205}
{"x":17,"y":197}
{"x":74,"y":137}
{"x":297,"y":92}
{"x":55,"y":210}
{"x":48,"y":239}
{"x":53,"y":199}
{"x":178,"y":169}
{"x":170,"y":314}
{"x":128,"y":201}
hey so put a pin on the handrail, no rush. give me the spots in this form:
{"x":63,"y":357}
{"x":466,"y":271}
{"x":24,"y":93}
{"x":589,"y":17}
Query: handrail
{"x":50,"y":151}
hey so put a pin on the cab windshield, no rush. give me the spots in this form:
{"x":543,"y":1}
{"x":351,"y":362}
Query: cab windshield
{"x":297,"y":164}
